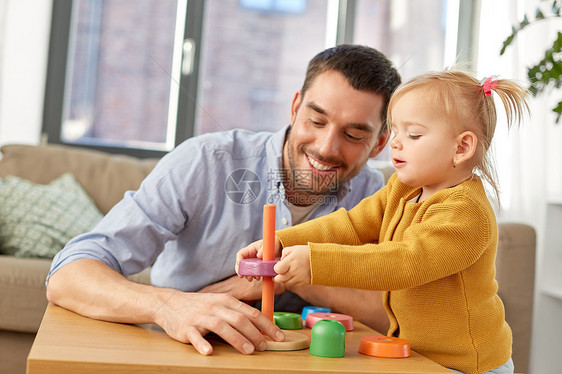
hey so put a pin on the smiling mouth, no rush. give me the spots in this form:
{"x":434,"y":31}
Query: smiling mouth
{"x":318,"y":165}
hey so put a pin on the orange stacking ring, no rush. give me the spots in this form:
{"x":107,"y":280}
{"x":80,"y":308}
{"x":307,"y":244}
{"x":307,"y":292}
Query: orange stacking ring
{"x":384,"y":346}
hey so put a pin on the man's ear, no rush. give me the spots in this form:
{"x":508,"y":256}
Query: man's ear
{"x":466,"y":147}
{"x":381,"y":143}
{"x":295,"y":105}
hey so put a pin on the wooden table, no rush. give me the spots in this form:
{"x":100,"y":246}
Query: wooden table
{"x":67,"y":342}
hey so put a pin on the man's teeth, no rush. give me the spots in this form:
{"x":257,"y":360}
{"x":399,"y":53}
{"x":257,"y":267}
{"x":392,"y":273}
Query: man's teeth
{"x":318,"y":165}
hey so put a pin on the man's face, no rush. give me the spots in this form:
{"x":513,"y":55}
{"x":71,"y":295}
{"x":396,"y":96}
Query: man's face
{"x":334,"y":131}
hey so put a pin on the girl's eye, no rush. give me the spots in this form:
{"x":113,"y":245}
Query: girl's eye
{"x":414,"y":137}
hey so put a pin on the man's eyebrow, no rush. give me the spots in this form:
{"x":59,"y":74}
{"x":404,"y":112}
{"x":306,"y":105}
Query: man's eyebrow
{"x":361,"y":126}
{"x":355,"y":125}
{"x":316,"y":108}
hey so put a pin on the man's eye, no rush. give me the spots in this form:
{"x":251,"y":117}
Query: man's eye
{"x":316,"y":123}
{"x":353,"y":137}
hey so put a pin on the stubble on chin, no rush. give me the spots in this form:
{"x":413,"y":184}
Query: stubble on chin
{"x":303,"y":181}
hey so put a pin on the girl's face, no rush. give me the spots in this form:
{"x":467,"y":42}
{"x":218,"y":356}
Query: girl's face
{"x":423,"y":145}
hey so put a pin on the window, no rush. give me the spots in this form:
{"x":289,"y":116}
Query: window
{"x":410,"y":33}
{"x":117,"y":79}
{"x":142,"y":77}
{"x":252,"y":63}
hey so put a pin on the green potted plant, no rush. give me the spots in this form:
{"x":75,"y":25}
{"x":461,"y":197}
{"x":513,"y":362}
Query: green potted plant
{"x":548,"y":71}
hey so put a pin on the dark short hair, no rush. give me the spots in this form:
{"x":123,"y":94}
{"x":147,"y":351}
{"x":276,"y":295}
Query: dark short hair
{"x":363,"y":67}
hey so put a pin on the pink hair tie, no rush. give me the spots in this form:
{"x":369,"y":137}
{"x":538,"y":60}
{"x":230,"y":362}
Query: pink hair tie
{"x":489,"y":84}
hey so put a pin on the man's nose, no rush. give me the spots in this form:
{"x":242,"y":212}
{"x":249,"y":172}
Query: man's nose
{"x":330,"y":145}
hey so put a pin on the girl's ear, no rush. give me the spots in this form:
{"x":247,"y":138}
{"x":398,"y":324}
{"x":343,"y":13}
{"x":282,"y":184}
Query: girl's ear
{"x":466,"y":147}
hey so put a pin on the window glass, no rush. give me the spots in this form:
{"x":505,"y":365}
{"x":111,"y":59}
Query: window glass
{"x":254,"y":58}
{"x":410,"y":33}
{"x":119,"y":73}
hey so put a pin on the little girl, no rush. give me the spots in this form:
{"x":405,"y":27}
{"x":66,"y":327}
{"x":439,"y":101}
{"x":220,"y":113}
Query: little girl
{"x":429,"y":237}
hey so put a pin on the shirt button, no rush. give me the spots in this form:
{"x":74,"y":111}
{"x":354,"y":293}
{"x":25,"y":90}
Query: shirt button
{"x":284,"y":221}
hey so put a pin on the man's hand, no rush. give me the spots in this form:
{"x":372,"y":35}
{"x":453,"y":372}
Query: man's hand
{"x":93,"y":289}
{"x":241,"y":289}
{"x":187,"y":317}
{"x":294,"y":268}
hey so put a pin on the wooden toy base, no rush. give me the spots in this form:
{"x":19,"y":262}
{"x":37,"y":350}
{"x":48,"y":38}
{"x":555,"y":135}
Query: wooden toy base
{"x":293,"y":342}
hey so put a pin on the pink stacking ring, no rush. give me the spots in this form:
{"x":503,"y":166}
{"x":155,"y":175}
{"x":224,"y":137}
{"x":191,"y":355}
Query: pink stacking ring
{"x":346,"y":320}
{"x":256,"y":267}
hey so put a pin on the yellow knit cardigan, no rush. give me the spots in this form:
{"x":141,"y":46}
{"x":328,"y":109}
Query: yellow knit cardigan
{"x":435,"y":259}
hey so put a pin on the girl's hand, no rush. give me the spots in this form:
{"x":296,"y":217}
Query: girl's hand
{"x":294,"y":267}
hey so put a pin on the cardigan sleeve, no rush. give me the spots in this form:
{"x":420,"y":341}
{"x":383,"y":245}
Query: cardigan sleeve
{"x":451,"y":236}
{"x":341,"y":226}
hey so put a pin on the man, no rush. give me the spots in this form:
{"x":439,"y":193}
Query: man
{"x":203,"y":202}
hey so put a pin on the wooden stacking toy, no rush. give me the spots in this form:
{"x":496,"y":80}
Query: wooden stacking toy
{"x":327,"y":339}
{"x":264,"y":268}
{"x":287,"y":321}
{"x":346,"y":320}
{"x":384,"y":346}
{"x":313,"y":309}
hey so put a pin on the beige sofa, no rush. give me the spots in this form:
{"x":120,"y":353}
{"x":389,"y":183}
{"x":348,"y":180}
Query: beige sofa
{"x":106,"y":177}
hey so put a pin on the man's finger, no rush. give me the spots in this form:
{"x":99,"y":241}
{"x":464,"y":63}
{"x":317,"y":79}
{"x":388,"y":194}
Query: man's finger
{"x":260,"y":321}
{"x":223,"y":328}
{"x":199,"y":343}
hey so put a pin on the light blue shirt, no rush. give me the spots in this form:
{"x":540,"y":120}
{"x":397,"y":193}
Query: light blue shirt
{"x":201,"y":204}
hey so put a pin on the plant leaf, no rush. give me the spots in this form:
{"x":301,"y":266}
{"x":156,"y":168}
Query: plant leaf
{"x":539,"y":14}
{"x":555,"y":8}
{"x":506,"y":43}
{"x":558,"y":111}
{"x":548,"y":70}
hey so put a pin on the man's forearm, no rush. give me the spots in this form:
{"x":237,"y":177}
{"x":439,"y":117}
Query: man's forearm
{"x":93,"y":289}
{"x":364,"y":306}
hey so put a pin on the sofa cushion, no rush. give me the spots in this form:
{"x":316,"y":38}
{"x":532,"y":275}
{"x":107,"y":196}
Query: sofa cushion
{"x":37,"y":220}
{"x":22,"y":292}
{"x":105,"y":177}
{"x":515,"y":273}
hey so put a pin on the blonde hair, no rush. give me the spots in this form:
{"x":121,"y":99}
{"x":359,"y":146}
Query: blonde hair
{"x":465,"y":105}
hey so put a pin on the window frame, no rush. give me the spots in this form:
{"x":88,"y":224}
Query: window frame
{"x":56,"y":76}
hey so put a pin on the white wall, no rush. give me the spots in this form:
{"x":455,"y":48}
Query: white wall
{"x":24,"y":32}
{"x":528,"y":159}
